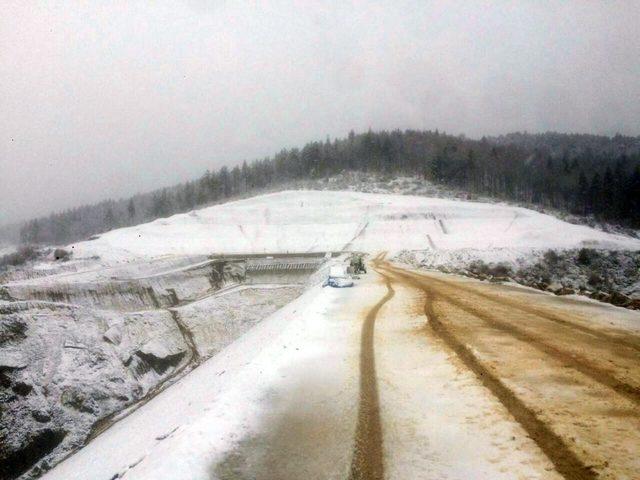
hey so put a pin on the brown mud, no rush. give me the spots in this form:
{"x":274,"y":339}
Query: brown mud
{"x":523,"y":354}
{"x":367,"y":462}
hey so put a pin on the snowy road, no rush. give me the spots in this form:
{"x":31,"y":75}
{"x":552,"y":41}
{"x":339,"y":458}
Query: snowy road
{"x":494,"y":382}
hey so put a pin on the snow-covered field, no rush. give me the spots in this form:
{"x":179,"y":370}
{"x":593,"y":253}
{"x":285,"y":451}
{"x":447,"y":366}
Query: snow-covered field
{"x":314,"y":221}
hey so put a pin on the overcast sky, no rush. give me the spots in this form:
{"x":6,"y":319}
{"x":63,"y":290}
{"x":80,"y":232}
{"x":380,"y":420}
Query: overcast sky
{"x":105,"y":99}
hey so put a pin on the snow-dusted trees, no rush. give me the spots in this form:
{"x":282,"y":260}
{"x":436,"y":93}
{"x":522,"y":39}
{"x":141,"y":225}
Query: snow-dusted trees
{"x":584,"y":174}
{"x":131,"y":209}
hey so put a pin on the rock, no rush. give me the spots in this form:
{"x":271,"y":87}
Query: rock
{"x":38,"y":444}
{"x":22,"y":389}
{"x":12,"y":360}
{"x":113,"y":335}
{"x":5,"y":381}
{"x":499,"y":279}
{"x":4,"y":294}
{"x":73,"y":353}
{"x":77,"y":400}
{"x":601,"y":296}
{"x":159,"y":364}
{"x":619,"y":299}
{"x":40,"y":416}
{"x":61,"y":254}
{"x":12,"y":330}
{"x":554,"y":287}
{"x":565,"y":291}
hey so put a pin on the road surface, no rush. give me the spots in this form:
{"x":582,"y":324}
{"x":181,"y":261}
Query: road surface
{"x":566,"y":375}
{"x":408,"y":375}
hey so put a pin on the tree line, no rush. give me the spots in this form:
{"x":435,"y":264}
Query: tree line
{"x":582,"y":174}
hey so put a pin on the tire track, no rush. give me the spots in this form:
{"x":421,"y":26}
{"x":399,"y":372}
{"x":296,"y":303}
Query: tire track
{"x":367,"y":460}
{"x":575,"y":361}
{"x":564,"y":459}
{"x":546,"y":315}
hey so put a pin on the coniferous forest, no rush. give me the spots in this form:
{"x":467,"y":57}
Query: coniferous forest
{"x":587,"y":175}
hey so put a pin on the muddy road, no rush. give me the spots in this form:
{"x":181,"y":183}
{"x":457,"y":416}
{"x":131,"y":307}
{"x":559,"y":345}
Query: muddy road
{"x":367,"y":460}
{"x":407,"y":375}
{"x":571,"y":382}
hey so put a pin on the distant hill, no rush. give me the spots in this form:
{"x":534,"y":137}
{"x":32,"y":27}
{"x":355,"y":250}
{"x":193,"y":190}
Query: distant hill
{"x":587,"y":175}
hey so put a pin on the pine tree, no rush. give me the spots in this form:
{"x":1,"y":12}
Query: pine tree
{"x":582,"y":195}
{"x":632,"y":197}
{"x":131,"y":209}
{"x":595,"y":194}
{"x":608,"y":199}
{"x":470,"y":170}
{"x":109,"y":218}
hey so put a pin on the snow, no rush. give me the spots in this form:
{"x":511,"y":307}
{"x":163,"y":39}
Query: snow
{"x":186,"y":428}
{"x":7,"y":249}
{"x":320,"y":221}
{"x":281,"y":402}
{"x":298,"y":369}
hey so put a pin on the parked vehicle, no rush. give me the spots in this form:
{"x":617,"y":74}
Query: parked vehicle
{"x":338,"y":278}
{"x":338,"y":282}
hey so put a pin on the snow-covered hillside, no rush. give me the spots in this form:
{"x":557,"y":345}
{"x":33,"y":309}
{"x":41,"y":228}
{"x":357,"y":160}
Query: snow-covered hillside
{"x":136,"y":308}
{"x":313,"y":221}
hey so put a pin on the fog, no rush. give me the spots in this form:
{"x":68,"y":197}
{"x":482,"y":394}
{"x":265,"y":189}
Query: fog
{"x":105,"y":99}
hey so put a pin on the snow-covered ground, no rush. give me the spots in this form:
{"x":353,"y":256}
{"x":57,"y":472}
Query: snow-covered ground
{"x":281,"y":402}
{"x":187,"y":430}
{"x":7,"y":249}
{"x":314,"y":221}
{"x":258,"y":392}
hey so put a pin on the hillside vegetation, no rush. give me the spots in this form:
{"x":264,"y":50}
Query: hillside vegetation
{"x":588,"y":175}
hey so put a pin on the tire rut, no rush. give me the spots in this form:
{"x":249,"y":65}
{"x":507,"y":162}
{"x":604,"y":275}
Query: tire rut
{"x":563,"y":458}
{"x":569,"y":359}
{"x":634,"y":345}
{"x":367,"y":460}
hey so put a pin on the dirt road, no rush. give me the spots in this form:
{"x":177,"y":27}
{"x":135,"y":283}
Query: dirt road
{"x":367,"y":460}
{"x":569,"y":378}
{"x":407,"y":375}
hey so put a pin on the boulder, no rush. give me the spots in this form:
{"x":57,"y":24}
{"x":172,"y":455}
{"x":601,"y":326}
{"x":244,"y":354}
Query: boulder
{"x":565,"y":291}
{"x":76,"y":399}
{"x":114,"y":334}
{"x":499,"y":279}
{"x":554,"y":287}
{"x":619,"y":299}
{"x":601,"y":296}
{"x":12,"y":360}
{"x":41,"y":416}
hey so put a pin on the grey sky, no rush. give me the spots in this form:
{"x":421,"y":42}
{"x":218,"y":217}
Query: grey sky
{"x":104,"y":99}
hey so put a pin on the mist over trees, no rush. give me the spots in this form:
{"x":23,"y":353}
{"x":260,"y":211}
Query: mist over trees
{"x":582,"y":174}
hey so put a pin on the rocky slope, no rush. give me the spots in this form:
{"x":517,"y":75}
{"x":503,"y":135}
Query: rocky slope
{"x":607,"y":276}
{"x":77,"y":351}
